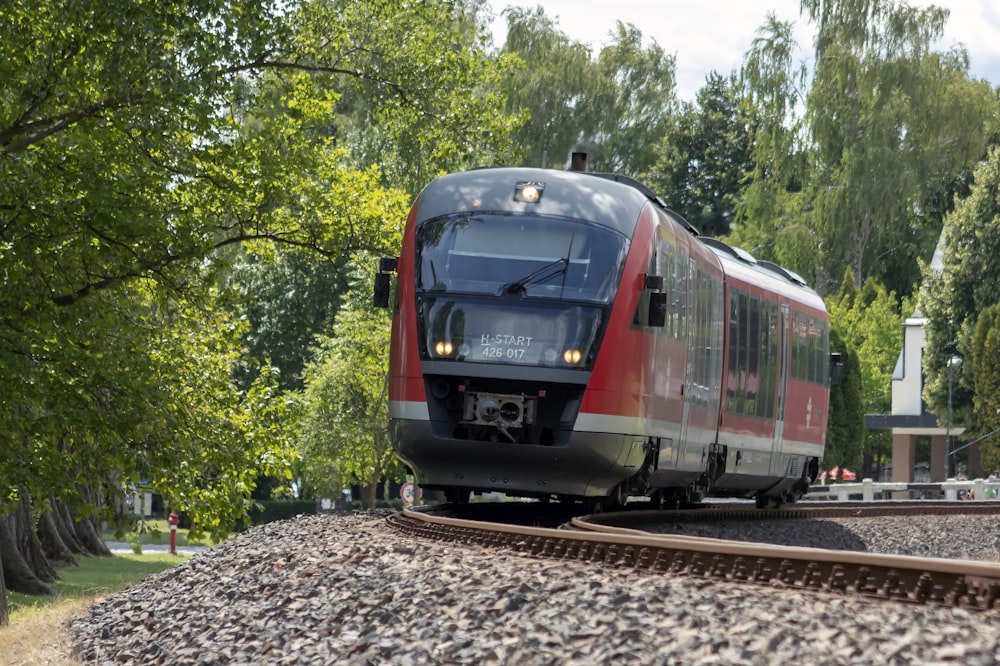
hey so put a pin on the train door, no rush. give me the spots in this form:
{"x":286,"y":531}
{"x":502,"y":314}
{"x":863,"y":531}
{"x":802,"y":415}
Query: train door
{"x":690,"y":313}
{"x":668,"y":366}
{"x":779,"y":413}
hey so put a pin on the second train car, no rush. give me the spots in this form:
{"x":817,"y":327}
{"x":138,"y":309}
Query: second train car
{"x":565,"y":335}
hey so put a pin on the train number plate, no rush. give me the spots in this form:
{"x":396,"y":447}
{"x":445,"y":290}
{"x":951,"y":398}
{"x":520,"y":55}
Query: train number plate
{"x":502,"y":346}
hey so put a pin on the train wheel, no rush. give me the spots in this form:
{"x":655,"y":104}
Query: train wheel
{"x":768,"y":501}
{"x":666,"y":500}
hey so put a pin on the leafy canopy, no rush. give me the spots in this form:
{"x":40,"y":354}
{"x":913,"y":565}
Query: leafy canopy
{"x":140,"y":143}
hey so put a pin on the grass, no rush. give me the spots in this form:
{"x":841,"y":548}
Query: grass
{"x":37,"y":632}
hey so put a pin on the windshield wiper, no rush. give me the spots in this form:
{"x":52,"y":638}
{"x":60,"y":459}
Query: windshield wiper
{"x":546,"y":272}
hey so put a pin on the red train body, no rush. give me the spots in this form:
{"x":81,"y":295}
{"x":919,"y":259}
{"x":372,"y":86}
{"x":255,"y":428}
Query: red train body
{"x":565,"y":335}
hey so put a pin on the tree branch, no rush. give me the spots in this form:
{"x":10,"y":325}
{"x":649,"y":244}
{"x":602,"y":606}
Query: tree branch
{"x":49,"y":126}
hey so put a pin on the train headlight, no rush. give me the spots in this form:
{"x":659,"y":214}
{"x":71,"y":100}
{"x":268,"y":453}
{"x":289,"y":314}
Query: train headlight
{"x":572,"y":356}
{"x":443,"y":348}
{"x":528,"y":192}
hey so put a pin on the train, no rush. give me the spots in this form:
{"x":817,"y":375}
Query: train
{"x":567,"y":336}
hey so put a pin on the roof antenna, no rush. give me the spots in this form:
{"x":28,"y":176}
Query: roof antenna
{"x":578,"y":162}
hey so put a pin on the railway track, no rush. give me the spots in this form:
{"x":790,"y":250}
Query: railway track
{"x":613,"y":540}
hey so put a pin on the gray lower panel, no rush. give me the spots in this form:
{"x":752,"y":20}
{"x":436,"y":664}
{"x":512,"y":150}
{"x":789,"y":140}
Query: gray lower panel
{"x":589,"y":465}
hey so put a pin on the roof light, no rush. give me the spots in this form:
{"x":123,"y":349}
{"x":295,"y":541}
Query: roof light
{"x":528,"y":191}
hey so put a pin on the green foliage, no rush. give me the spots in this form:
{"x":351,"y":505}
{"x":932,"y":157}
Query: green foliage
{"x":883,"y":104}
{"x":845,"y":429}
{"x":140,"y":143}
{"x":705,"y":156}
{"x":270,"y":511}
{"x":869,"y":322}
{"x":635,"y":100}
{"x":549,"y":88}
{"x":985,"y":361}
{"x":968,"y":284}
{"x":616,"y":108}
{"x":288,"y":296}
{"x":343,"y":427}
{"x":773,"y":221}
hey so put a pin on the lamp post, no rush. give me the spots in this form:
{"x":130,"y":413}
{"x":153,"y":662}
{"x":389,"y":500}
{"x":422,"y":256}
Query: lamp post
{"x":953,"y":362}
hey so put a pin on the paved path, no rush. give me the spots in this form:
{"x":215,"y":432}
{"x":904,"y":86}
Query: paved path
{"x":123,"y":547}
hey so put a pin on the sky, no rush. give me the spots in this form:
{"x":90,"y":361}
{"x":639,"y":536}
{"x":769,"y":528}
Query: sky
{"x":707,"y":35}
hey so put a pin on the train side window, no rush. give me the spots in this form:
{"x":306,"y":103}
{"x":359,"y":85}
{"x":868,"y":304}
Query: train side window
{"x":745,"y":350}
{"x":732,"y":375}
{"x":665,"y":268}
{"x":769,"y":357}
{"x":753,"y":356}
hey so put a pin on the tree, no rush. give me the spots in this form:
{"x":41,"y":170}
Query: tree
{"x":869,"y":321}
{"x":288,"y":297}
{"x":634,"y":100}
{"x":445,"y":49}
{"x":891,"y":123}
{"x":967,"y":284}
{"x":705,"y":156}
{"x":344,"y":409}
{"x":138,"y":144}
{"x":985,"y":360}
{"x":845,"y":429}
{"x":772,"y":220}
{"x":549,"y":88}
{"x":615,"y":108}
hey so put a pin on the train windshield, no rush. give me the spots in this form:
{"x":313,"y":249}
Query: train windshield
{"x":520,"y":255}
{"x":559,"y":335}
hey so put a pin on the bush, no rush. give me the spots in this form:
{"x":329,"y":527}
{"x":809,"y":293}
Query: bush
{"x":362,"y":505}
{"x":269,"y":511}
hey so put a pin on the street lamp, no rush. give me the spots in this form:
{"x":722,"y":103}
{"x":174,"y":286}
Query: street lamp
{"x":953,"y":362}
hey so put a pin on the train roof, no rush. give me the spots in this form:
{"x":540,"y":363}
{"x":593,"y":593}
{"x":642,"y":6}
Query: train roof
{"x":736,"y":257}
{"x":609,"y":199}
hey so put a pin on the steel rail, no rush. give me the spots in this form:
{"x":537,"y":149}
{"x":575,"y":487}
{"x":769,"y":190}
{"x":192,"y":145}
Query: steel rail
{"x":965,"y":583}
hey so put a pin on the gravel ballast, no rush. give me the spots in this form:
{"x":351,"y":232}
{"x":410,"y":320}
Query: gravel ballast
{"x":347,"y":589}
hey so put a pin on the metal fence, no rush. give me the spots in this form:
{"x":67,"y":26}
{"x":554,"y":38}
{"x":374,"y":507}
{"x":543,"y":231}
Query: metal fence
{"x":975,"y":490}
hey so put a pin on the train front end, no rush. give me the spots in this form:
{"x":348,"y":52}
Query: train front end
{"x":505,"y":286}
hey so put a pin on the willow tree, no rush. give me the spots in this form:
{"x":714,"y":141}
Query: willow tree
{"x":635,"y":99}
{"x":614,"y":105}
{"x":772,"y":219}
{"x":891,"y":123}
{"x":549,"y":88}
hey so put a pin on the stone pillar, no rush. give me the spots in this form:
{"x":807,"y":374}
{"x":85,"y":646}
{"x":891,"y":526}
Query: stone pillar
{"x":937,"y":458}
{"x":975,"y":463}
{"x":904,"y":450}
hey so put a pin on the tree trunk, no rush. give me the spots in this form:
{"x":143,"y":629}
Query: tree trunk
{"x":56,"y":550}
{"x":17,"y":574}
{"x":64,"y":523}
{"x":27,"y":542}
{"x":4,"y":620}
{"x":86,"y":532}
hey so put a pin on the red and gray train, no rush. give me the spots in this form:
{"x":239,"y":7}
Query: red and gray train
{"x":565,"y":335}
